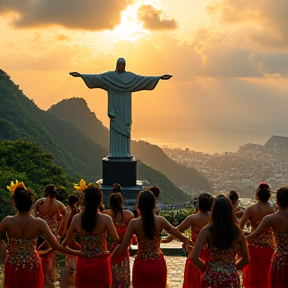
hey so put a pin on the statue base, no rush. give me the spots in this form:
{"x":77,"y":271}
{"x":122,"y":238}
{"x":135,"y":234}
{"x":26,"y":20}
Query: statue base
{"x":129,"y":194}
{"x":122,"y":171}
{"x":119,"y":170}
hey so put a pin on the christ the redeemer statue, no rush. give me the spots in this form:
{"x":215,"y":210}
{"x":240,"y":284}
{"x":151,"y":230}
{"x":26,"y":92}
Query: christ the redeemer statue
{"x":120,"y":84}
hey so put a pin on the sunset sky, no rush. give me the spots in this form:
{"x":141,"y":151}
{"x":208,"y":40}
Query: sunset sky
{"x":228,"y":58}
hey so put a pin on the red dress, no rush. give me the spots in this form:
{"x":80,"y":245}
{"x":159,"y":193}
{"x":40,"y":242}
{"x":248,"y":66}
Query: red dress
{"x":22,"y":265}
{"x":221,"y":270}
{"x":149,"y":269}
{"x":49,"y":261}
{"x":93,"y":267}
{"x":120,"y":266}
{"x":192,"y":275}
{"x":255,"y":274}
{"x":278,"y":276}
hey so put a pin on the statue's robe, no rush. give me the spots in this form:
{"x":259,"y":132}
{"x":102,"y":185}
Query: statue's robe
{"x":120,"y":87}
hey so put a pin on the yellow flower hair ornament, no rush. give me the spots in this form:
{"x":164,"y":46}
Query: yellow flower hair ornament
{"x":13,"y":186}
{"x":81,"y":186}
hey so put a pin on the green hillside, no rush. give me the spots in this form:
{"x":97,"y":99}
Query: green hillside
{"x":72,"y":149}
{"x":27,"y":162}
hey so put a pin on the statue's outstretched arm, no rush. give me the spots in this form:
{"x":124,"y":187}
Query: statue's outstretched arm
{"x":165,"y":77}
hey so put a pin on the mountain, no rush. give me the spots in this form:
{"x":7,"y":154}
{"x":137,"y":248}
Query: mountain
{"x":278,"y":144}
{"x":76,"y":112}
{"x":72,"y":149}
{"x":74,"y":109}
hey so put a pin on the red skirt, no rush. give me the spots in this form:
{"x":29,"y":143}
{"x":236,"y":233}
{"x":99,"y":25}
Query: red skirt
{"x":95,"y":272}
{"x":149,"y":273}
{"x":278,"y":276}
{"x":192,"y":275}
{"x":255,"y":274}
{"x":24,"y":276}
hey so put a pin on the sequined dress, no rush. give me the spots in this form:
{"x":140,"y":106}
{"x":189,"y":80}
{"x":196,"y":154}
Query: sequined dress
{"x":149,"y":269}
{"x":120,"y":266}
{"x":255,"y":274}
{"x":22,"y":265}
{"x":221,"y":270}
{"x":49,"y":261}
{"x":93,"y":266}
{"x":192,"y":275}
{"x":278,"y":276}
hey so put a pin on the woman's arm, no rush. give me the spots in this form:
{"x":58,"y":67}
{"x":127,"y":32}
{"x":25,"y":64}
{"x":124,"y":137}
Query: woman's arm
{"x":68,"y":240}
{"x":50,"y":238}
{"x":172,"y":230}
{"x":182,"y":227}
{"x":263,"y":226}
{"x":246,"y":216}
{"x":244,"y":260}
{"x":199,"y":245}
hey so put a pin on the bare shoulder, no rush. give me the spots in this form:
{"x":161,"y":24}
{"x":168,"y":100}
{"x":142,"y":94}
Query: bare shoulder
{"x":60,"y":204}
{"x":104,"y":217}
{"x":135,"y":221}
{"x":129,"y":213}
{"x":206,"y":229}
{"x":39,"y":221}
{"x":107,"y":212}
{"x":191,"y":218}
{"x":7,"y":219}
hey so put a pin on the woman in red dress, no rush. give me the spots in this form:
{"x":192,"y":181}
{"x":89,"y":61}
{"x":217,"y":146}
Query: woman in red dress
{"x":255,"y":274}
{"x":278,"y":275}
{"x":224,"y":239}
{"x":121,"y":219}
{"x":93,"y":266}
{"x":149,"y":269}
{"x":53,"y":212}
{"x":192,"y":275}
{"x":23,"y":267}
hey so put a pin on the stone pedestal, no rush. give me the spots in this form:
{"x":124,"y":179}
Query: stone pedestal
{"x":124,"y":172}
{"x":119,"y":170}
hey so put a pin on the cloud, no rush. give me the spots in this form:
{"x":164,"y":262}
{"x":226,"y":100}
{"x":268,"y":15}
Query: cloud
{"x":75,"y":14}
{"x":63,"y":37}
{"x":153,"y":20}
{"x":265,"y":21}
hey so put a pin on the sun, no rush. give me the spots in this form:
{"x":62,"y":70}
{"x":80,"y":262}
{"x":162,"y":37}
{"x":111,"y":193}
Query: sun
{"x":130,"y":28}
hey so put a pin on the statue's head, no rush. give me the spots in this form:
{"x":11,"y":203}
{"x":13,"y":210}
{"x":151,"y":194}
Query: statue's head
{"x":120,"y":66}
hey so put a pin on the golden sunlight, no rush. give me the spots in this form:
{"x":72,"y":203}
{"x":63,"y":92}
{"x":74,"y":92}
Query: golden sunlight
{"x":130,"y":27}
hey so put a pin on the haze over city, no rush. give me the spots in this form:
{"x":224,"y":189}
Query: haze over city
{"x":229,"y":61}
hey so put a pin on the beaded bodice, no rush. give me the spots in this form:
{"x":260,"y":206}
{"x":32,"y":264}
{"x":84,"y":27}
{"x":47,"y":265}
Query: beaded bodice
{"x":264,"y":240}
{"x":94,"y":246}
{"x":280,"y":256}
{"x":149,"y":249}
{"x":221,"y":270}
{"x":22,"y":253}
{"x":227,"y":256}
